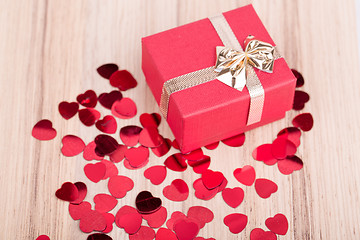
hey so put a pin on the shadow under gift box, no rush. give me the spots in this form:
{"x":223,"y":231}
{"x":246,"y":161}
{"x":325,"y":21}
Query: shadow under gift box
{"x":212,"y":111}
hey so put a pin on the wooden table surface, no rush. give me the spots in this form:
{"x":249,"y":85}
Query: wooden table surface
{"x":49,"y":52}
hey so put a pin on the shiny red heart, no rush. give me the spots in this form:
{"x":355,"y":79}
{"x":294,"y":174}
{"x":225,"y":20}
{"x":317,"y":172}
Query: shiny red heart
{"x":89,"y":152}
{"x":277,"y":224}
{"x":163,"y":148}
{"x":202,"y":192}
{"x":109,"y":222}
{"x":177,"y":191}
{"x":137,"y":156}
{"x":201,"y":165}
{"x":124,"y":108}
{"x":150,"y":120}
{"x":265,"y":187}
{"x":233,"y":196}
{"x":43,"y":237}
{"x":104,"y":202}
{"x":119,"y":185}
{"x":245,"y":175}
{"x":176,"y":162}
{"x":67,"y":192}
{"x":150,"y":137}
{"x":119,"y":154}
{"x":43,"y":130}
{"x":300,"y":98}
{"x":92,"y":221}
{"x":263,"y":153}
{"x":95,"y":172}
{"x":281,"y":148}
{"x":201,"y":214}
{"x":121,"y":214}
{"x":144,"y":233}
{"x":72,"y":145}
{"x":290,"y":164}
{"x":299,"y":78}
{"x":98,"y":236}
{"x":236,"y":222}
{"x":212,"y":179}
{"x":77,"y":211}
{"x":156,"y":174}
{"x":68,"y":110}
{"x":108,"y":99}
{"x":128,"y":166}
{"x":194,"y":155}
{"x":165,"y":234}
{"x":235,"y":141}
{"x":131,"y":222}
{"x":293,"y":134}
{"x":212,"y":146}
{"x":107,"y":124}
{"x":146,"y":203}
{"x":175,"y":216}
{"x":259,"y":234}
{"x":156,"y":219}
{"x":122,"y":80}
{"x":303,"y":121}
{"x":88,"y":116}
{"x":186,"y":229}
{"x":129,"y":135}
{"x":111,"y":169}
{"x":87,"y":99}
{"x":107,"y":70}
{"x":105,"y":145}
{"x":82,"y":190}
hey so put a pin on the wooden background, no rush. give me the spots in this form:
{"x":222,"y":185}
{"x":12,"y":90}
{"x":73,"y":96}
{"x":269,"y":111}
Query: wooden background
{"x":49,"y":51}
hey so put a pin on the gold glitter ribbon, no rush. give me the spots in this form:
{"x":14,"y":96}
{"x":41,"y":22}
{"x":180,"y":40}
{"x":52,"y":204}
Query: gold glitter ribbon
{"x":234,"y":67}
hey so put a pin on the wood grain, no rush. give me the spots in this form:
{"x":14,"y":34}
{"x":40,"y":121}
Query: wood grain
{"x":49,"y":53}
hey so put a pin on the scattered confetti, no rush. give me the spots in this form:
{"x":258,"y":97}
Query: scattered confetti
{"x":194,"y":155}
{"x":129,"y":135}
{"x":186,"y":229}
{"x":146,"y":203}
{"x":105,"y":145}
{"x":68,"y":110}
{"x":122,"y":80}
{"x":144,"y":233}
{"x":277,"y":224}
{"x":98,"y":236}
{"x":292,"y":134}
{"x":88,"y":116}
{"x":137,"y":156}
{"x":43,"y":237}
{"x":107,"y":70}
{"x":281,"y":148}
{"x":107,"y":124}
{"x":119,"y":185}
{"x":92,"y":221}
{"x":89,"y":152}
{"x":176,"y":162}
{"x":259,"y":234}
{"x":165,"y":234}
{"x":124,"y":108}
{"x":212,"y":146}
{"x":119,"y":154}
{"x":150,"y":137}
{"x":201,"y":165}
{"x":299,"y":78}
{"x":109,"y":222}
{"x":95,"y":172}
{"x":300,"y":98}
{"x":87,"y":99}
{"x":67,"y":192}
{"x":290,"y":164}
{"x":212,"y":179}
{"x":111,"y":169}
{"x":156,"y":219}
{"x":104,"y":202}
{"x":77,"y":211}
{"x":43,"y":130}
{"x":202,"y":214}
{"x":82,"y":190}
{"x":72,"y":145}
{"x":163,"y":148}
{"x":235,"y":141}
{"x":156,"y":174}
{"x":263,"y":153}
{"x":303,"y":121}
{"x":177,"y":191}
{"x":265,"y":187}
{"x":236,"y":222}
{"x":245,"y":175}
{"x":233,"y":196}
{"x":108,"y":99}
{"x":150,"y":120}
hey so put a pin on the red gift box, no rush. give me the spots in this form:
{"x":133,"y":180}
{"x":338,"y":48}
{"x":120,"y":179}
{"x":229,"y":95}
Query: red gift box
{"x":212,"y":111}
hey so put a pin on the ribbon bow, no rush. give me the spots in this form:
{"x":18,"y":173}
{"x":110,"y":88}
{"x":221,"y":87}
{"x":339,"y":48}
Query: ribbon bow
{"x":233,"y":65}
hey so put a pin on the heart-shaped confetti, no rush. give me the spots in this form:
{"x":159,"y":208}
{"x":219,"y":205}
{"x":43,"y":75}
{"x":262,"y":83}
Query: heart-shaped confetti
{"x":201,"y":165}
{"x":144,"y":233}
{"x":194,"y":155}
{"x":281,"y":148}
{"x":150,"y":137}
{"x":131,"y":222}
{"x":146,"y":203}
{"x":89,"y":152}
{"x":107,"y":70}
{"x":92,"y":221}
{"x":212,"y":146}
{"x":43,"y":130}
{"x":88,"y":116}
{"x":290,"y":164}
{"x":150,"y":120}
{"x":293,"y":134}
{"x":165,"y":234}
{"x":43,"y":237}
{"x":176,"y":162}
{"x":68,"y":110}
{"x":299,"y":78}
{"x":202,"y":215}
{"x":108,"y":99}
{"x":202,"y":192}
{"x":111,"y":169}
{"x":277,"y":224}
{"x":104,"y":202}
{"x":87,"y":99}
{"x":259,"y":234}
{"x":109,"y":222}
{"x":119,"y":185}
{"x":236,"y":222}
{"x":175,"y":216}
{"x":245,"y":175}
{"x":72,"y":145}
{"x":186,"y":230}
{"x":156,"y":174}
{"x":265,"y":187}
{"x":129,"y":135}
{"x":303,"y":121}
{"x":67,"y":192}
{"x":124,"y":109}
{"x":177,"y":191}
{"x":95,"y":172}
{"x":107,"y":124}
{"x":121,"y":214}
{"x":99,"y":236}
{"x":105,"y":145}
{"x":122,"y":80}
{"x":77,"y":211}
{"x":212,"y":179}
{"x":137,"y":156}
{"x":175,"y":144}
{"x":235,"y":141}
{"x":300,"y":98}
{"x":156,"y":219}
{"x":82,"y":190}
{"x":130,"y":167}
{"x":233,"y":196}
{"x":263,"y":153}
{"x":163,"y":148}
{"x":119,"y":154}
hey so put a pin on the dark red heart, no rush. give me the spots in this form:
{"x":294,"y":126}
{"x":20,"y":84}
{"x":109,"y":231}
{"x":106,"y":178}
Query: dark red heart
{"x":82,"y":189}
{"x":105,"y":145}
{"x":277,"y":224}
{"x":43,"y":130}
{"x":303,"y":121}
{"x":122,"y":80}
{"x":108,"y":99}
{"x":300,"y":98}
{"x":176,"y":162}
{"x":89,"y":152}
{"x":150,"y":120}
{"x":107,"y":70}
{"x":68,"y":110}
{"x":299,"y":78}
{"x":87,"y":99}
{"x":163,"y":149}
{"x":67,"y":192}
{"x":146,"y":203}
{"x":129,"y":135}
{"x":98,"y":236}
{"x":88,"y":116}
{"x":107,"y":124}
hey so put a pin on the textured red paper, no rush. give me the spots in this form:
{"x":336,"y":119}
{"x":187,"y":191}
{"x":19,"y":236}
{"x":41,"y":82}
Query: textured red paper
{"x":212,"y":111}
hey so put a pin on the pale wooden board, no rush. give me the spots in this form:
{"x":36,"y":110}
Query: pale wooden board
{"x":49,"y":51}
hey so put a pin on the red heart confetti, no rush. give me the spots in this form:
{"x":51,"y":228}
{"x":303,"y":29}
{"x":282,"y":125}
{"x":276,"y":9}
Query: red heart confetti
{"x":68,"y":110}
{"x":150,"y":120}
{"x":277,"y":224}
{"x":124,"y":109}
{"x":175,"y":144}
{"x":290,"y":164}
{"x":233,"y":196}
{"x":107,"y":124}
{"x":137,"y":156}
{"x":236,"y":222}
{"x":131,"y":222}
{"x":95,"y":172}
{"x":299,"y":78}
{"x":146,"y":203}
{"x":212,"y":179}
{"x":201,"y":165}
{"x":194,"y":155}
{"x":177,"y":191}
{"x":92,"y":221}
{"x":245,"y":175}
{"x":120,"y":216}
{"x":156,"y":174}
{"x":163,"y":148}
{"x":235,"y":141}
{"x":43,"y":130}
{"x":72,"y":145}
{"x":165,"y":234}
{"x":42,"y":237}
{"x":203,"y":215}
{"x":263,"y":153}
{"x":265,"y":187}
{"x":82,"y":190}
{"x":175,"y":216}
{"x":186,"y":229}
{"x":144,"y":233}
{"x":105,"y":145}
{"x":108,"y":99}
{"x":300,"y":98}
{"x":293,"y":134}
{"x":98,"y":236}
{"x":88,"y":116}
{"x":202,"y":192}
{"x":119,"y":154}
{"x":107,"y":70}
{"x":176,"y":162}
{"x":130,"y":167}
{"x":303,"y":121}
{"x":119,"y":185}
{"x":67,"y":192}
{"x":150,"y":137}
{"x":129,"y":135}
{"x":156,"y":219}
{"x":109,"y":222}
{"x":87,"y":99}
{"x":89,"y":152}
{"x":77,"y":211}
{"x":259,"y":234}
{"x":281,"y":148}
{"x":212,"y":146}
{"x":122,"y":80}
{"x":104,"y":202}
{"x":111,"y":169}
